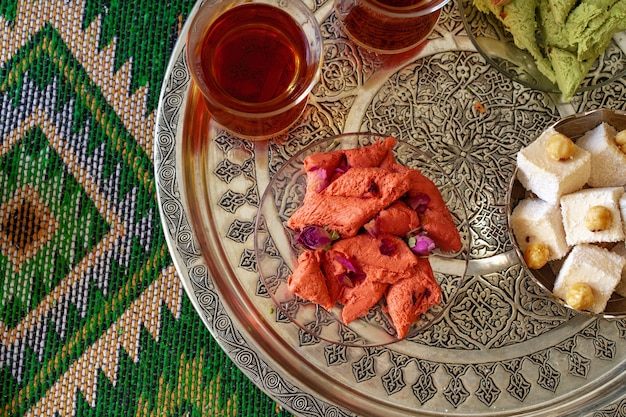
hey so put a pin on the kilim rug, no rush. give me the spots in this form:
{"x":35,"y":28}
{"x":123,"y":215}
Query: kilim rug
{"x":93,"y":318}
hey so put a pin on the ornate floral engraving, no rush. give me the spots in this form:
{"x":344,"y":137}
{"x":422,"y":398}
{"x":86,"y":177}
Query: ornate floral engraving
{"x":482,"y":314}
{"x":349,"y":66}
{"x":518,"y":386}
{"x":487,"y":392}
{"x":424,"y":388}
{"x":455,"y":392}
{"x":614,"y":410}
{"x":449,"y":22}
{"x":432,"y":103}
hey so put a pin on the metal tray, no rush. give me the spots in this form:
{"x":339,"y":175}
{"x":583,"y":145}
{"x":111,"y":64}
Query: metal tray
{"x":504,"y":347}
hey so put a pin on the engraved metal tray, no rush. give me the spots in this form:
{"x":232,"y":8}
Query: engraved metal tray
{"x":504,"y":348}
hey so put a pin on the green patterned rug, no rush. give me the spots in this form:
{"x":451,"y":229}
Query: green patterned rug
{"x":94,"y":320}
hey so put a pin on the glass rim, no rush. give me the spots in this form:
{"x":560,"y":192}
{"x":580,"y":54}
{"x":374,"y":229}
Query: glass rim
{"x":406,"y":12}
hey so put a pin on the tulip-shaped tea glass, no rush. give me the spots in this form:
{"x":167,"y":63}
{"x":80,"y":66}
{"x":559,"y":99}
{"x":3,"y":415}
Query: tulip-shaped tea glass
{"x":255,"y":62}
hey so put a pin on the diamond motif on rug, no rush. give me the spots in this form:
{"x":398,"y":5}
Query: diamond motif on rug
{"x":26,"y":224}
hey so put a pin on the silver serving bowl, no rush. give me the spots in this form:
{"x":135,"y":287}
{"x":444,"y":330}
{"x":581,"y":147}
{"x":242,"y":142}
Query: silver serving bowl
{"x":496,"y":45}
{"x":574,"y":127}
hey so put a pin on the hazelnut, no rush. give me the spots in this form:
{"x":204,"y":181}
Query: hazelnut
{"x":579,"y":296}
{"x":536,"y":255}
{"x":598,"y":218}
{"x":620,"y":138}
{"x":559,"y":147}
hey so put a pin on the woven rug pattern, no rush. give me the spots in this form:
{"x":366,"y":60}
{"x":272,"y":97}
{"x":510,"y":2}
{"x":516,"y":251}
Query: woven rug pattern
{"x":93,"y":318}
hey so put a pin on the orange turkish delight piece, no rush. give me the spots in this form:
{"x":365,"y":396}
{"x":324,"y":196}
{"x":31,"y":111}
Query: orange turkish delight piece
{"x":408,"y":298}
{"x":361,"y":267}
{"x":371,"y":155}
{"x":358,"y":300}
{"x":308,"y":280}
{"x":347,"y":203}
{"x":435,"y":219}
{"x":398,"y":219}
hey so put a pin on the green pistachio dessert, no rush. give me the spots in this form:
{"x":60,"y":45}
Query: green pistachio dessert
{"x":564,"y":37}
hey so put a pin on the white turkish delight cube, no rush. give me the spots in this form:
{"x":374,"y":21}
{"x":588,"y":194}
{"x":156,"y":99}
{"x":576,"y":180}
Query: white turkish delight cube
{"x":620,"y":249}
{"x":575,"y":207}
{"x":597,"y":267}
{"x":608,"y":162}
{"x":534,"y":220}
{"x":549,"y":179}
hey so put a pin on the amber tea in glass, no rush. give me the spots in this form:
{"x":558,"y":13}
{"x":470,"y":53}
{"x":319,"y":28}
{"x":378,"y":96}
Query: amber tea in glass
{"x":388,"y":26}
{"x":255,"y":63}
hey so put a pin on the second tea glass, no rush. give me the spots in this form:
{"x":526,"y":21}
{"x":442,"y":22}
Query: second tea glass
{"x":388,"y":26}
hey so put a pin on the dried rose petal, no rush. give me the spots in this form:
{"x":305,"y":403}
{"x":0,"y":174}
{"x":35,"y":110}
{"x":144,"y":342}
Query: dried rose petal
{"x":421,"y":244}
{"x":345,"y":280}
{"x":343,"y":166}
{"x":419,"y":202}
{"x":358,"y":276}
{"x":373,"y":227}
{"x":387,"y":246}
{"x":320,"y":180}
{"x":314,"y":237}
{"x":346,"y":263}
{"x":352,"y":275}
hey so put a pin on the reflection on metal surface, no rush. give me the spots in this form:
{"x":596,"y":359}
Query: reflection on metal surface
{"x":505,"y":347}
